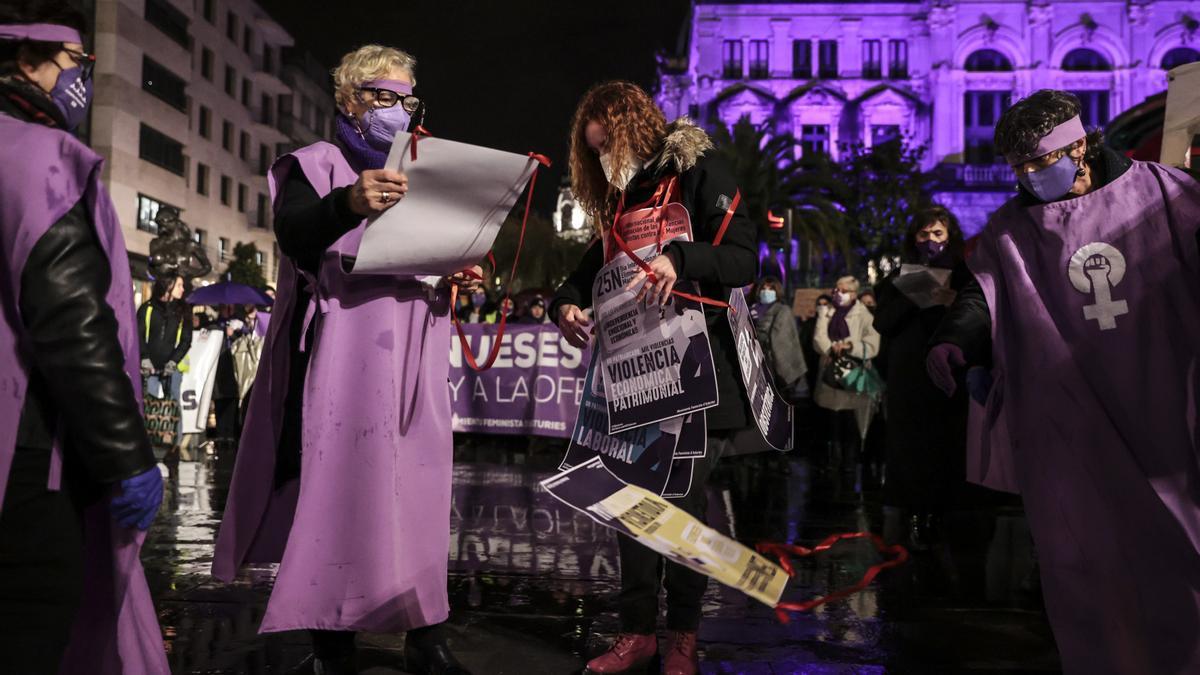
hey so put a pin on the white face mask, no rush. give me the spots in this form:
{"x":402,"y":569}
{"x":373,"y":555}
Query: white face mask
{"x":620,"y":178}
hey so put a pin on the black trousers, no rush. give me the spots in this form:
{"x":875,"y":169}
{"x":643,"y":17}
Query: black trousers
{"x":41,"y":567}
{"x":644,"y":572}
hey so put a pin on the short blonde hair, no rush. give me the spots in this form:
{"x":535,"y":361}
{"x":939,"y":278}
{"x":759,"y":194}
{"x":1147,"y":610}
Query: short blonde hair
{"x":369,"y":62}
{"x":850,"y":281}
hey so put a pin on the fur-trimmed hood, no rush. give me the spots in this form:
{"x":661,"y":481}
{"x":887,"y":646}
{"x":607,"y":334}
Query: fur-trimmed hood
{"x":685,"y":144}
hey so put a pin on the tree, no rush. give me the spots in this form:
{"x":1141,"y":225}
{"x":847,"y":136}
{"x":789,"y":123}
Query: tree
{"x":546,"y":258}
{"x":244,"y":268}
{"x":887,"y":189}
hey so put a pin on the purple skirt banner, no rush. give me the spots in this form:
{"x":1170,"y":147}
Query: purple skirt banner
{"x":534,"y":388}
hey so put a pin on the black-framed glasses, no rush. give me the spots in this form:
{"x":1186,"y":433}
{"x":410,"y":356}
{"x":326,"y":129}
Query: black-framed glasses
{"x":386,"y":98}
{"x":85,"y":61}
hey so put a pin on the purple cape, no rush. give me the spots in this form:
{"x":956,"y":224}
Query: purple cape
{"x":43,"y":174}
{"x":363,"y":537}
{"x":1095,"y":306}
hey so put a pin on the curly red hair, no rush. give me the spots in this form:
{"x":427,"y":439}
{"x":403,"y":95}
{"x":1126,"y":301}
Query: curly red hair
{"x":636,"y":128}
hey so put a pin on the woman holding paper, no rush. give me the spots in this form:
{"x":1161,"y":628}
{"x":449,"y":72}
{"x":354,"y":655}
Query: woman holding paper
{"x":343,"y":474}
{"x":622,"y":150}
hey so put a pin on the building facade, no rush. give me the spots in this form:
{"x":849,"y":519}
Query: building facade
{"x":191,"y":107}
{"x":935,"y":73}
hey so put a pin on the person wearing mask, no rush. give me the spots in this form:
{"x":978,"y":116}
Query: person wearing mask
{"x":867,"y":298}
{"x":536,"y":314}
{"x":622,"y":148}
{"x":844,"y":329}
{"x":776,"y":328}
{"x":78,"y":480}
{"x":165,"y":329}
{"x":1082,"y":335}
{"x":479,"y":309}
{"x":357,"y":510}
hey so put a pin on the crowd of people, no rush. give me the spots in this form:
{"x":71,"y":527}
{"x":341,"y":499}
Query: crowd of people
{"x":1058,"y":361}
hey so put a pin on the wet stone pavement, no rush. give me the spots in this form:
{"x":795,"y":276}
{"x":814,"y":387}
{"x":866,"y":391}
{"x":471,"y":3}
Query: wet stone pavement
{"x":533,"y":584}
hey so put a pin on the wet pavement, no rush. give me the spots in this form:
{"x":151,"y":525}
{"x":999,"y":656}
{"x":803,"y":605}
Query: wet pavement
{"x":532,"y":583}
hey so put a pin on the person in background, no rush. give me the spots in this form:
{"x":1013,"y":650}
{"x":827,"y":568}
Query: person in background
{"x":509,"y":309}
{"x":478,"y":309}
{"x":867,"y":298}
{"x":269,"y":291}
{"x":776,"y":328}
{"x":165,"y":330}
{"x":73,"y":596}
{"x":844,"y":329}
{"x":536,"y":314}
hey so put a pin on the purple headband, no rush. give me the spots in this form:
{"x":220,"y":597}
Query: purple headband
{"x":39,"y":32}
{"x":1059,"y":137}
{"x":391,"y":85}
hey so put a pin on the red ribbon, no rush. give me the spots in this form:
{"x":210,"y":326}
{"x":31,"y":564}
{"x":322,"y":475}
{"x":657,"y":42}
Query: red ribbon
{"x":785,"y":552}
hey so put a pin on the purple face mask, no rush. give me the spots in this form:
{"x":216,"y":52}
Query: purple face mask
{"x":1053,"y":182}
{"x":380,"y":125}
{"x":930,"y":250}
{"x":73,"y":95}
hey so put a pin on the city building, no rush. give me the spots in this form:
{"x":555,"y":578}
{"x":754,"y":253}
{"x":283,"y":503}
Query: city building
{"x":935,"y":73}
{"x":191,"y":107}
{"x":570,"y":220}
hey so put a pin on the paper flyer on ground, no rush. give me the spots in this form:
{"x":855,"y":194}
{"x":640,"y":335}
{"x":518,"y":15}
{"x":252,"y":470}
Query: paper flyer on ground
{"x":656,"y":523}
{"x":772,"y":414}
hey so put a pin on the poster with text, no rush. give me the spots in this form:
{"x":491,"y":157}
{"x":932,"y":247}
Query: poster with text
{"x":772,"y":414}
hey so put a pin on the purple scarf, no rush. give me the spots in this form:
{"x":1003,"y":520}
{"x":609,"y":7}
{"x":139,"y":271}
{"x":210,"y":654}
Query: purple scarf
{"x":838,"y":328}
{"x":361,"y":155}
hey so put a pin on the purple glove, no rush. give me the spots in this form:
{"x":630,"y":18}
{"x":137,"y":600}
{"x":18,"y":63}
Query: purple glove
{"x":139,"y":499}
{"x":943,"y":360}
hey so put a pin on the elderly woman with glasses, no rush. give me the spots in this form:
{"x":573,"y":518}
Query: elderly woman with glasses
{"x":343,"y":471}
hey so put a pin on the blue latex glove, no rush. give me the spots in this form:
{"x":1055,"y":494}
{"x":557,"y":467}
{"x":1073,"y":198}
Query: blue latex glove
{"x":942,"y":363}
{"x":979,"y":384}
{"x":139,"y":500}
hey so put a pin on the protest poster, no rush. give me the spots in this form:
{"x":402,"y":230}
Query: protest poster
{"x":196,"y":388}
{"x":650,"y":226}
{"x":534,"y":387}
{"x":657,"y":524}
{"x":657,"y":360}
{"x":772,"y":414}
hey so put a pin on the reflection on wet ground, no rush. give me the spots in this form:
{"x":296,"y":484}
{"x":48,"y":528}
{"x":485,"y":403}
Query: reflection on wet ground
{"x":533,"y":583}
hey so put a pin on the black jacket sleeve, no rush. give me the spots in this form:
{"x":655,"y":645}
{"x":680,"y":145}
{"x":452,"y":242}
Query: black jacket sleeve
{"x":577,"y":289}
{"x":185,"y":336}
{"x":968,"y":324}
{"x":75,"y":349}
{"x":306,"y":224}
{"x":734,"y":262}
{"x":143,"y":334}
{"x":893,"y":309}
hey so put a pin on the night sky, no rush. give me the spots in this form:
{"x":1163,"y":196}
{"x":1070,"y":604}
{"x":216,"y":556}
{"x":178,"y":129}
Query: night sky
{"x":501,"y":73}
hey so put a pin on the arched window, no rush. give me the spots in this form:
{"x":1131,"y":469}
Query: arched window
{"x":1085,"y":59}
{"x":1179,"y":56}
{"x":988,"y":61}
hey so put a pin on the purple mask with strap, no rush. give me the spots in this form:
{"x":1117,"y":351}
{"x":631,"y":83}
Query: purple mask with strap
{"x":72,"y":92}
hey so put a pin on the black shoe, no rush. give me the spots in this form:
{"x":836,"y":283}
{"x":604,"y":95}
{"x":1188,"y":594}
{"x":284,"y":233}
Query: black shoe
{"x":431,"y":659}
{"x":311,"y":665}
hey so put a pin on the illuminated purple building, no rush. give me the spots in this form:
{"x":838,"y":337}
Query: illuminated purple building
{"x":935,"y":73}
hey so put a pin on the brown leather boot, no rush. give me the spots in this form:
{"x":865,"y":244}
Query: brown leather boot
{"x":681,"y":654}
{"x":631,"y":653}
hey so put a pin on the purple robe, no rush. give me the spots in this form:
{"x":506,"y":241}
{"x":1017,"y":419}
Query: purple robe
{"x":363,"y":536}
{"x":1095,"y":305}
{"x":43,"y":174}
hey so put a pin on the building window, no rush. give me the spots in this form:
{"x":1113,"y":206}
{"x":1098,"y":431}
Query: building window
{"x":246,"y":92}
{"x":247,"y":39}
{"x":1093,"y":107}
{"x":209,"y":11}
{"x":275,"y":258}
{"x":802,"y":59}
{"x":206,"y":63}
{"x":226,"y":190}
{"x":898,"y":59}
{"x":172,"y":22}
{"x":268,"y":59}
{"x":264,"y":158}
{"x":200,"y":236}
{"x":161,"y":150}
{"x":814,"y":139}
{"x":321,"y":119}
{"x":163,"y":84}
{"x":884,"y":133}
{"x":1083,"y":59}
{"x":981,"y":111}
{"x":201,"y":179}
{"x":227,"y":135}
{"x":222,"y":249}
{"x":732,"y":60}
{"x":1179,"y":56}
{"x":204,"y":124}
{"x":241,"y":203}
{"x":872,"y":56}
{"x":231,"y":26}
{"x":230,"y":81}
{"x":147,"y":210}
{"x":244,"y":147}
{"x":265,"y":108}
{"x":760,"y":60}
{"x":260,"y":211}
{"x":988,"y":61}
{"x":258,"y":258}
{"x":827,"y":59}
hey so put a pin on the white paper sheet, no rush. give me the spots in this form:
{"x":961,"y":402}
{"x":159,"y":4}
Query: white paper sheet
{"x":1182,"y":121}
{"x":458,"y":196}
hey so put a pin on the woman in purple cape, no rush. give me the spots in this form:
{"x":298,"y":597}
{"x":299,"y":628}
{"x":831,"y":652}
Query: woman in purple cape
{"x":343,"y":471}
{"x":1086,"y":312}
{"x":78,"y":481}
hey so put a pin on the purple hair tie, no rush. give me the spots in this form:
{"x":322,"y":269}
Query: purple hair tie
{"x":1059,"y":137}
{"x":391,"y":85}
{"x":39,"y":32}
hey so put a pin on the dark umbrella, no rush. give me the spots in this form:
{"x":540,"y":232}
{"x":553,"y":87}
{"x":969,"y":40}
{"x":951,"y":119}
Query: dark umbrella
{"x":228,"y":293}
